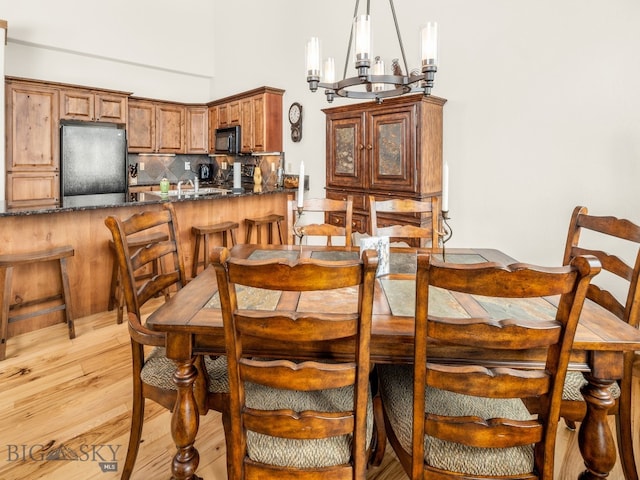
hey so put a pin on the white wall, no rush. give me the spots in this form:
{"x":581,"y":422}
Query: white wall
{"x":543,"y":111}
{"x":157,"y":49}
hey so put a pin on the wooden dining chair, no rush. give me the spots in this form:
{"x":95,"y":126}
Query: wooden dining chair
{"x":293,"y":418}
{"x":468,"y":420}
{"x":338,"y":219}
{"x":396,"y":214}
{"x":153,"y":372}
{"x":601,"y":236}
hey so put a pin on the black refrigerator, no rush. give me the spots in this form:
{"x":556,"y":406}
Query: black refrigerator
{"x":93,"y":159}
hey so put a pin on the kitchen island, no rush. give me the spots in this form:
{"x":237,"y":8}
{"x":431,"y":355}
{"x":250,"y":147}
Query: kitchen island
{"x":79,"y":222}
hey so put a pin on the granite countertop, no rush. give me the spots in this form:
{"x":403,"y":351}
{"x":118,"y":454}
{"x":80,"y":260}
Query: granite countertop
{"x":111,"y":200}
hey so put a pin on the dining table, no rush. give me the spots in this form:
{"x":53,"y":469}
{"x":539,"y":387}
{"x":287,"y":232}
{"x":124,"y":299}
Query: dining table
{"x":192,"y":322}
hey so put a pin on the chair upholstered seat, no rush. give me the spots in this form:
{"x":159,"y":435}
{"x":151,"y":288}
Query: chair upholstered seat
{"x":158,"y":371}
{"x":311,"y":453}
{"x":396,"y":387}
{"x":574,"y":381}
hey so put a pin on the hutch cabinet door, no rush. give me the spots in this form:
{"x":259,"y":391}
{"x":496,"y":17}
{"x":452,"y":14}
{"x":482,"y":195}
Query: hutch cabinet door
{"x":345,"y":152}
{"x":391,"y":141}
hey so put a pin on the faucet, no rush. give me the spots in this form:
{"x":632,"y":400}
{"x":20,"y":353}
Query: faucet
{"x":186,"y":183}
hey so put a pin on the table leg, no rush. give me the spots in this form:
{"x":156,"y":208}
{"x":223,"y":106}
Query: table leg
{"x":184,"y":423}
{"x":595,"y":438}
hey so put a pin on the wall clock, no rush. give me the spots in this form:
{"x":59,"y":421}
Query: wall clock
{"x":295,"y":119}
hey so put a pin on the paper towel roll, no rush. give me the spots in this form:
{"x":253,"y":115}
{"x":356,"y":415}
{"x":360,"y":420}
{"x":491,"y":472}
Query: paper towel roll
{"x":237,"y":178}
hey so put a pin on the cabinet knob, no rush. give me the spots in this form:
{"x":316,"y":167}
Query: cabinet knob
{"x":361,"y":146}
{"x":369,"y":147}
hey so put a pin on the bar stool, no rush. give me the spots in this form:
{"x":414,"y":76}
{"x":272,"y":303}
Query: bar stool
{"x":7,"y":263}
{"x":224,"y":228}
{"x":116,"y":297}
{"x":267,"y":220}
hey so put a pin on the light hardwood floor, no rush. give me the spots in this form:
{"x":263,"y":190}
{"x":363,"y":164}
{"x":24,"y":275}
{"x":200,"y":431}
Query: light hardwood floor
{"x":70,"y":399}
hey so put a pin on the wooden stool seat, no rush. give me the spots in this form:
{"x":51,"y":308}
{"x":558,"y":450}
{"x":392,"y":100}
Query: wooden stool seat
{"x":7,"y":263}
{"x":267,"y":220}
{"x":116,"y":297}
{"x":224,"y":228}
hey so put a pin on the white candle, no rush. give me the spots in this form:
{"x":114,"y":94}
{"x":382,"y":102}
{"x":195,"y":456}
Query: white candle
{"x":445,"y":187}
{"x":301,"y":185}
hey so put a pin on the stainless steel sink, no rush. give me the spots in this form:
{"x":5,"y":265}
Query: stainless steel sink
{"x":190,"y":192}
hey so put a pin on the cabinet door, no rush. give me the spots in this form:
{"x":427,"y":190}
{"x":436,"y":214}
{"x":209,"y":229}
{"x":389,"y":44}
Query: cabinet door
{"x":223,"y":115}
{"x":77,"y":104}
{"x":197,"y":130}
{"x":247,"y":130}
{"x":86,"y":105}
{"x":170,"y":128}
{"x":345,"y":152}
{"x":142,"y":126}
{"x":259,"y":126}
{"x":213,"y":125}
{"x":32,"y":189}
{"x":235,"y":113}
{"x":111,"y":108}
{"x":32,"y":128}
{"x":391,"y":144}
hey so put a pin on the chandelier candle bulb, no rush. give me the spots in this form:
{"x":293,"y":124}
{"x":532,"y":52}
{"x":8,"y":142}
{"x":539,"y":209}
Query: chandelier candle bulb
{"x":429,"y":44}
{"x":378,"y":69}
{"x":362,"y":35}
{"x":329,"y":71}
{"x":301,"y":186}
{"x":313,"y":60}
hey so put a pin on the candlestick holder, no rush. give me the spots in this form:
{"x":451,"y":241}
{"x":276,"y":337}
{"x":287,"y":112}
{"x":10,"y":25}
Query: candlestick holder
{"x":297,"y":229}
{"x":446,"y":233}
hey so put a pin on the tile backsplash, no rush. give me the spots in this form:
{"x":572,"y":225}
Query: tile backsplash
{"x":150,"y":169}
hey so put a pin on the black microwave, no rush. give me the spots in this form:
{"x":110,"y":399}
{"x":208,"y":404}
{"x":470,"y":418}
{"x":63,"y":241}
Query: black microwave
{"x":228,"y":140}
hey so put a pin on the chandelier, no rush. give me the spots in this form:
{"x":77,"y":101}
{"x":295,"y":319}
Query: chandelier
{"x":372,"y":82}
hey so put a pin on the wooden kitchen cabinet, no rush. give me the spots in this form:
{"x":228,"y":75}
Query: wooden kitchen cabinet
{"x":197,"y":140}
{"x":390,"y":150}
{"x":32,"y":127}
{"x":32,"y":143}
{"x":156,"y":127}
{"x":170,"y":128}
{"x":26,"y":189}
{"x":259,"y":114}
{"x":93,"y":106}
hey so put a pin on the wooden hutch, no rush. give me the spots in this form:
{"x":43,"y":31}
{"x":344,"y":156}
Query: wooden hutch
{"x":390,"y":150}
